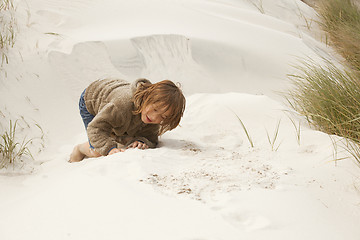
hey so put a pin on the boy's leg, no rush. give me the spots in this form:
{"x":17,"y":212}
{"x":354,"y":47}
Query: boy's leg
{"x":81,"y":151}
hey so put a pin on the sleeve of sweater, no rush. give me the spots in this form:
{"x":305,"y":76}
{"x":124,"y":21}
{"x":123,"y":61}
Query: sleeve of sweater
{"x":100,"y":128}
{"x":148,"y":135}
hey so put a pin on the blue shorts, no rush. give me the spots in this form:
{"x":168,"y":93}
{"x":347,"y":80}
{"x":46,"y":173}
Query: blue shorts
{"x":84,"y":113}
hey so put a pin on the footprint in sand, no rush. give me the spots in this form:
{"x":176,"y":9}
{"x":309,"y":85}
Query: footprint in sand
{"x":247,"y":221}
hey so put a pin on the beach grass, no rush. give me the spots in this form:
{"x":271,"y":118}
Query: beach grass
{"x":7,"y":29}
{"x":329,"y":98}
{"x":328,"y":94}
{"x":246,"y":131}
{"x":272,"y":140}
{"x":11,"y":150}
{"x":340,"y":19}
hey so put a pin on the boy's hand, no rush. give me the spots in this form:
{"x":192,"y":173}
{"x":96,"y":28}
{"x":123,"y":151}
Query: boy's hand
{"x":116,"y":150}
{"x":139,"y":145}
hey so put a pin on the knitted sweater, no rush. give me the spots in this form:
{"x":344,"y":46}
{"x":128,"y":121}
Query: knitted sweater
{"x":110,"y":101}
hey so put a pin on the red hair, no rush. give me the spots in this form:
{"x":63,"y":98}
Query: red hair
{"x":166,"y":95}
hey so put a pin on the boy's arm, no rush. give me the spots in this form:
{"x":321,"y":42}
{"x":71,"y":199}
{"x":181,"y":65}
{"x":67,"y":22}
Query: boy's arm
{"x":100,"y":129}
{"x":148,"y":135}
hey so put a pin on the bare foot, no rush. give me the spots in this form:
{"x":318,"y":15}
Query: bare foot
{"x":76,"y":155}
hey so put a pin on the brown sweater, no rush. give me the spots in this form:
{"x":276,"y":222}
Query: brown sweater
{"x":110,"y":101}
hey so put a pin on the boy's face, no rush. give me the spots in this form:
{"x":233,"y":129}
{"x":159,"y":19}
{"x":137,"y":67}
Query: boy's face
{"x":154,"y":114}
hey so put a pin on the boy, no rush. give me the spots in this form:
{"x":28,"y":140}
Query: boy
{"x":134,"y":115}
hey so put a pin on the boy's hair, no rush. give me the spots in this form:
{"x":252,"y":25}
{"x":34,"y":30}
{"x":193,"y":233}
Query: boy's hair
{"x":167,"y":95}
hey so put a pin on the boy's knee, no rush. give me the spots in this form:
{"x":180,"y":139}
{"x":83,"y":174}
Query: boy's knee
{"x":94,"y":153}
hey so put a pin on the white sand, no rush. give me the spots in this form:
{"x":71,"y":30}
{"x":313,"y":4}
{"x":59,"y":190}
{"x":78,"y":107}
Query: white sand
{"x":205,"y":181}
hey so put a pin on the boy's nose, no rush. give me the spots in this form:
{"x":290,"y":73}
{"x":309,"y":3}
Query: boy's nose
{"x":156,"y":118}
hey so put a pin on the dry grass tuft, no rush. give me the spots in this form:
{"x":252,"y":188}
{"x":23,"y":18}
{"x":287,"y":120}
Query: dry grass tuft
{"x":7,"y":29}
{"x":329,"y":98}
{"x":328,"y":95}
{"x":11,"y":150}
{"x":341,"y":20}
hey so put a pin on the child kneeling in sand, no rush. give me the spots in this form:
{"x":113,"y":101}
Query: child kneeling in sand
{"x":116,"y":113}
